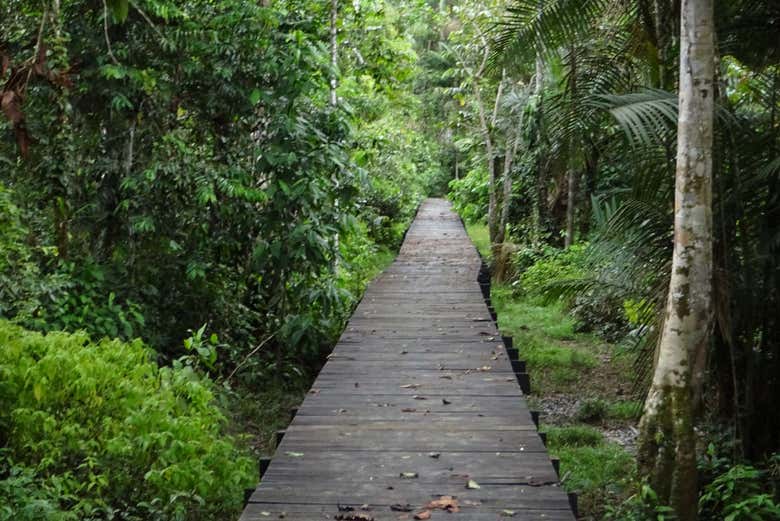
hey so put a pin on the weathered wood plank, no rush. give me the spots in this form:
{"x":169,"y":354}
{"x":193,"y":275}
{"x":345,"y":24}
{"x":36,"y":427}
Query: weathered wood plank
{"x":417,"y":399}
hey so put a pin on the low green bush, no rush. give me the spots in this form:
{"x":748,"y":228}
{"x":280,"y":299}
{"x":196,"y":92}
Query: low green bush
{"x":554,"y":266}
{"x":96,"y":430}
{"x":592,"y":410}
{"x":469,"y":196}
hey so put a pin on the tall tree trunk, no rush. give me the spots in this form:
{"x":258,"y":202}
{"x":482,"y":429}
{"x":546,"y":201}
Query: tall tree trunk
{"x":506,"y":195}
{"x":570,"y":210}
{"x":334,"y":50}
{"x":485,"y":126}
{"x":539,"y":197}
{"x":667,"y":443}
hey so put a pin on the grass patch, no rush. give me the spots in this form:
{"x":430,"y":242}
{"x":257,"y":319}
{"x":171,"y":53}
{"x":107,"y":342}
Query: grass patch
{"x":573,"y":436}
{"x":624,"y":410}
{"x":557,"y":357}
{"x":480,"y":237}
{"x":600,"y":472}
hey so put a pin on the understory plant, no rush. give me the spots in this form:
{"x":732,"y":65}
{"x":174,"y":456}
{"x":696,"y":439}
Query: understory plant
{"x":96,"y":430}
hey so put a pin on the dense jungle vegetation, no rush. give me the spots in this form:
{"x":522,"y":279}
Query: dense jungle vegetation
{"x":194,"y":194}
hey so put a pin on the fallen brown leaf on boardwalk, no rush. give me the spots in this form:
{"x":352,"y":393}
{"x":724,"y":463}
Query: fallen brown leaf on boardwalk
{"x":425,"y":514}
{"x":448,"y":503}
{"x":401,"y":508}
{"x":408,"y":409}
{"x":410,"y":386}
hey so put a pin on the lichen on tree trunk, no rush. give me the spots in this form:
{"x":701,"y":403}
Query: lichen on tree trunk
{"x":667,"y":443}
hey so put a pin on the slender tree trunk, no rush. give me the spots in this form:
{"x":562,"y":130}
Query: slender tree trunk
{"x":457,"y":166}
{"x":570,"y":210}
{"x":489,"y":151}
{"x":667,"y":442}
{"x":506,"y":195}
{"x":540,"y":193}
{"x":334,"y":50}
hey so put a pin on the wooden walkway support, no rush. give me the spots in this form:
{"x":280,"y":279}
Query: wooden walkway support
{"x":418,"y":413}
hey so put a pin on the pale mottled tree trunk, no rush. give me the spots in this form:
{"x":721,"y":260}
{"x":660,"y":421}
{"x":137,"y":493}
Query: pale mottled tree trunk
{"x":667,"y":441}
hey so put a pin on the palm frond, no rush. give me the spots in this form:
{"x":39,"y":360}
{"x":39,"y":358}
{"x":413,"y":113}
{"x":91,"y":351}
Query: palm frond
{"x":647,"y":117}
{"x":533,"y":27}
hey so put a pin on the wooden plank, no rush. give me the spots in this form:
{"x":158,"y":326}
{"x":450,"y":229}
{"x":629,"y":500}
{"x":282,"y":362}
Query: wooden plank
{"x":418,"y":398}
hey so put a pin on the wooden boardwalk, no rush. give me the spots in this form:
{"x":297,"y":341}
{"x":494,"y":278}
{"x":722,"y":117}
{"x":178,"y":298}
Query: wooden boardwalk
{"x":417,"y":411}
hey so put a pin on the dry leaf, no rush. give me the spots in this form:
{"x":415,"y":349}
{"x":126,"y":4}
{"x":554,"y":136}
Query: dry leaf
{"x":434,"y":455}
{"x":448,"y":503}
{"x":445,"y":401}
{"x":408,"y":409}
{"x":409,"y":475}
{"x":401,"y":508}
{"x":472,"y":484}
{"x":410,"y":386}
{"x":508,"y":513}
{"x":425,"y":514}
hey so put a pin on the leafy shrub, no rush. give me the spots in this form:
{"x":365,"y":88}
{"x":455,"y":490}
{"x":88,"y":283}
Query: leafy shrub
{"x":643,"y":506}
{"x":598,"y":309}
{"x":97,"y":428}
{"x":741,"y":493}
{"x":82,"y":299}
{"x":567,"y":275}
{"x":469,"y":196}
{"x":20,"y":278}
{"x":554,"y":266}
{"x":592,"y":410}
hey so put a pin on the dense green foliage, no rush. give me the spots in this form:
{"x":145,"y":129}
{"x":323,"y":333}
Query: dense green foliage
{"x":177,"y":172}
{"x":217,"y":181}
{"x":221,"y":188}
{"x":592,"y":90}
{"x":93,"y":430}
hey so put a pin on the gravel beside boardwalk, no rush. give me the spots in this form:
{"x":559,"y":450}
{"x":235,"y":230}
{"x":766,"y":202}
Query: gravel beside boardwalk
{"x":417,"y":411}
